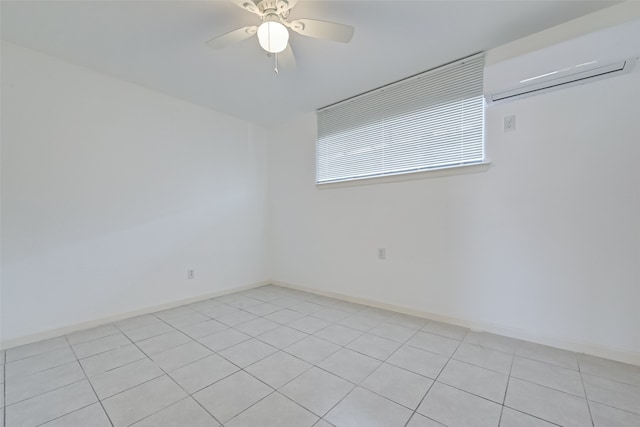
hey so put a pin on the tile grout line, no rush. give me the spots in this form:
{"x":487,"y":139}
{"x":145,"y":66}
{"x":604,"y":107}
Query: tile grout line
{"x":189,"y":395}
{"x":584,"y":388}
{"x":321,"y":417}
{"x":435,"y":380}
{"x":506,"y":389}
{"x":89,"y":381}
{"x":4,"y":388}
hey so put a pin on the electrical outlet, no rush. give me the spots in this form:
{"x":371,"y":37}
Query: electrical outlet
{"x":190,"y":274}
{"x":382,"y":253}
{"x":510,"y":123}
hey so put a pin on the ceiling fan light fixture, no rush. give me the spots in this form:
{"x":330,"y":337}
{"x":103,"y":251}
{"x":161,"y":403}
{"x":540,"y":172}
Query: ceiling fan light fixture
{"x":273,"y":36}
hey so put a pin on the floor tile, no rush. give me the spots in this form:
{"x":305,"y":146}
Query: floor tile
{"x":313,"y":350}
{"x":45,"y":386}
{"x":104,"y":362}
{"x":224,"y":339}
{"x":257,"y":326}
{"x":350,"y":365}
{"x":495,"y":342}
{"x":202,"y":329}
{"x":392,"y":332}
{"x":512,"y":418}
{"x":307,"y":307}
{"x":28,"y":350}
{"x":91,"y":334}
{"x":348,"y":306}
{"x":242,"y":302}
{"x":287,"y":301}
{"x":418,"y":420}
{"x":434,"y":343}
{"x":238,"y":318}
{"x":232,"y":395}
{"x":473,"y":379}
{"x":137,"y":322}
{"x":173,"y":312}
{"x":100,"y":345}
{"x":606,"y":416}
{"x":180,"y":356}
{"x":373,"y":346}
{"x":611,"y":369}
{"x":139,"y":402}
{"x":274,"y":411}
{"x":203,"y":373}
{"x":331,"y":315}
{"x":484,"y":357}
{"x":309,"y":324}
{"x":148,"y":331}
{"x":453,"y":407}
{"x":284,"y":316}
{"x":378,"y":313}
{"x":21,"y":388}
{"x":398,"y":385}
{"x":446,"y":330}
{"x":262,"y":309}
{"x":552,"y":376}
{"x":612,"y":393}
{"x":38,"y":363}
{"x":278,"y":369}
{"x":548,"y":404}
{"x":191,"y":318}
{"x":317,"y":390}
{"x":184,"y":413}
{"x":418,"y":361}
{"x":360,"y":323}
{"x":89,"y":416}
{"x":338,"y":334}
{"x":205,"y":305}
{"x":363,"y":408}
{"x":551,"y":355}
{"x":221,"y":310}
{"x":282,"y":336}
{"x":46,"y":407}
{"x":163,"y":342}
{"x":412,"y":322}
{"x":247,"y":352}
{"x":124,"y":378}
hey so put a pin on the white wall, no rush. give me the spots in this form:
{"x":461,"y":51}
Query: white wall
{"x":545,"y":245}
{"x":110,"y":192}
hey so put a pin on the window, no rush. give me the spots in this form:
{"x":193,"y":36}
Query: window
{"x":429,"y":121}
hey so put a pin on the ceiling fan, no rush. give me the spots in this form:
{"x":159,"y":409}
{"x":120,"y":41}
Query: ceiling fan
{"x":273,"y":33}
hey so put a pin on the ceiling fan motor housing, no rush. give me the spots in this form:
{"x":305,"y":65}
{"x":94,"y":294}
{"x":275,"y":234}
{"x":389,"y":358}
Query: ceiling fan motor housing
{"x":279,"y":7}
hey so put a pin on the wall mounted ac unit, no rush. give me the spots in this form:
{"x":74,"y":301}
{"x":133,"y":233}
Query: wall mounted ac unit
{"x":594,"y":56}
{"x":557,"y":79}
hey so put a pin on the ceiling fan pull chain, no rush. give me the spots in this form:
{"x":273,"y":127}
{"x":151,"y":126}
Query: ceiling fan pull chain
{"x":275,"y":60}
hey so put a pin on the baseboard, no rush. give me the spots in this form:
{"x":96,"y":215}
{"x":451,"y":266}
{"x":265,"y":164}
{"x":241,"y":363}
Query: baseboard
{"x":578,"y":347}
{"x":52,"y":333}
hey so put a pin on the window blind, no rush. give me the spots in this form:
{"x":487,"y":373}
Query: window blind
{"x":428,"y":121}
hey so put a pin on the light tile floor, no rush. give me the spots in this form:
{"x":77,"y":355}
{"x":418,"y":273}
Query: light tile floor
{"x":277,"y":357}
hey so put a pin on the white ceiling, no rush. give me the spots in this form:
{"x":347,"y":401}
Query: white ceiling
{"x":160,"y":45}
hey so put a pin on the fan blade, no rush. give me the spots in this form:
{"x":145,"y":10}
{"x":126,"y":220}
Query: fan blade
{"x":323,"y":30}
{"x":286,"y":59}
{"x":247,"y":5}
{"x":232,"y":37}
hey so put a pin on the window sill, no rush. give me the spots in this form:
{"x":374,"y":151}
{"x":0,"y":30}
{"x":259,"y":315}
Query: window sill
{"x":409,"y":176}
